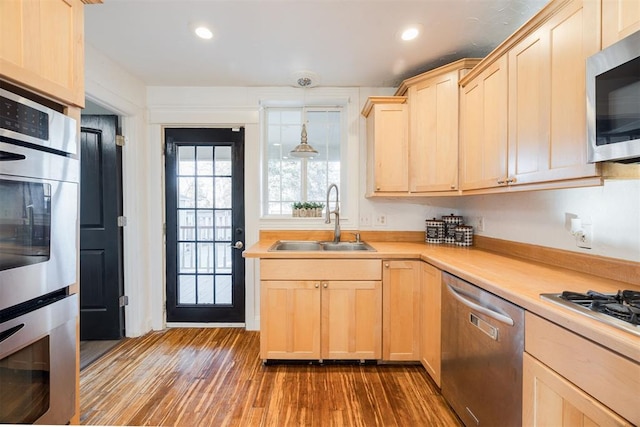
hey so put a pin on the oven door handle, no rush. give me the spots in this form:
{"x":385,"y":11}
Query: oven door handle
{"x":9,"y":332}
{"x":484,"y":310}
{"x":6,"y":156}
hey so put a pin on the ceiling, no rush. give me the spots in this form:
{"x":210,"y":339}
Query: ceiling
{"x":352,"y":43}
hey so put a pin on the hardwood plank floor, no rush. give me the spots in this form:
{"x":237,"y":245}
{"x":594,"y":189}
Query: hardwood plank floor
{"x":214,"y":377}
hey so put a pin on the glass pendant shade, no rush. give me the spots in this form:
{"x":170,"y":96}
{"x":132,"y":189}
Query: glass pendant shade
{"x":303,"y":149}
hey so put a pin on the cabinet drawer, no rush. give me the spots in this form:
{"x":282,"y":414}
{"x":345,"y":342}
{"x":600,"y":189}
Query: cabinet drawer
{"x":610,"y":378}
{"x":320,"y":269}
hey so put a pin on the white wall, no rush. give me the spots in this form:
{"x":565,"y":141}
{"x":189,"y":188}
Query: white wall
{"x":110,"y":87}
{"x":533,"y":217}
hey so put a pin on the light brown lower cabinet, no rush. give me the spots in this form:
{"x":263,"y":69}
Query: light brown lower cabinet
{"x":551,"y":400}
{"x":401,"y":310}
{"x":430,"y":324}
{"x":321,"y":316}
{"x":569,"y":380}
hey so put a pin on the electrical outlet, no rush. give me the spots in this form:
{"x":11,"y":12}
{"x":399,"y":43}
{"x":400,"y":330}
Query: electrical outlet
{"x":584,"y":238}
{"x":381,"y":220}
{"x":365,"y":220}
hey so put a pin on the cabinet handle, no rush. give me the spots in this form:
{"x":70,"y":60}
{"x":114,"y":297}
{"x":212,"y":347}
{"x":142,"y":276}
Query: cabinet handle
{"x":325,"y":285}
{"x":317,"y":285}
{"x":501,"y":181}
{"x":511,"y":180}
{"x":386,"y":265}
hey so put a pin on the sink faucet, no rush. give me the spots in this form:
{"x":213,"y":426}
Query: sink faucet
{"x":336,"y":211}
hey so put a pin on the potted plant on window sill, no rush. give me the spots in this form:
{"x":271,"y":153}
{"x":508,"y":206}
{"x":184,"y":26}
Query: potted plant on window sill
{"x":307,"y":209}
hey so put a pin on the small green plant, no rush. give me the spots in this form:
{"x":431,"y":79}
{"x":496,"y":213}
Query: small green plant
{"x":307,"y":209}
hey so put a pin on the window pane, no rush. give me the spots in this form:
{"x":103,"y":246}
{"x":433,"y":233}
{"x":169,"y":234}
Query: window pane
{"x":223,"y":193}
{"x":186,"y":225}
{"x":223,"y":161}
{"x":204,"y":160}
{"x":205,"y":257}
{"x":186,"y":160}
{"x":205,"y":192}
{"x":223,"y":225}
{"x":186,"y":289}
{"x":205,"y":289}
{"x":223,"y":258}
{"x":223,"y":290}
{"x":186,"y":192}
{"x":205,"y":225}
{"x":186,"y":258}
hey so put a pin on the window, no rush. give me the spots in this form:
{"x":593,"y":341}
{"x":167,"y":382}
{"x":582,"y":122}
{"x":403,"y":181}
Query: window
{"x":288,"y":179}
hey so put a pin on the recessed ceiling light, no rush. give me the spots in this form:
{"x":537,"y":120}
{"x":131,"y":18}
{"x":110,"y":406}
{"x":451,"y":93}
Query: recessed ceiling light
{"x":203,"y":32}
{"x":410,"y":33}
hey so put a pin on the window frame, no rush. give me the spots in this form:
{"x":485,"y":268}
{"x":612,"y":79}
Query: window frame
{"x":343,"y":109}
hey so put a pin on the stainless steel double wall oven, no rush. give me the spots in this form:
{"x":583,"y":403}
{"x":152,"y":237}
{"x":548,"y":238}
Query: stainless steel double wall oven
{"x":39,"y":184}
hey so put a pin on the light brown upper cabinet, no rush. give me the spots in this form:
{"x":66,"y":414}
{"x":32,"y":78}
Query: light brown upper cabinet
{"x":42,"y":47}
{"x":524,"y":107}
{"x":547,"y":97}
{"x":387,"y":144}
{"x":433,"y":127}
{"x":619,"y":19}
{"x":483,"y":113}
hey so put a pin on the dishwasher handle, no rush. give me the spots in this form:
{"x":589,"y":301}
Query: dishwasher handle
{"x":484,"y":310}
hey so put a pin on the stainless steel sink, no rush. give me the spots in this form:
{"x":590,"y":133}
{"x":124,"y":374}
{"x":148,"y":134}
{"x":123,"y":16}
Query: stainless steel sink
{"x":313,"y":245}
{"x":347,"y":246}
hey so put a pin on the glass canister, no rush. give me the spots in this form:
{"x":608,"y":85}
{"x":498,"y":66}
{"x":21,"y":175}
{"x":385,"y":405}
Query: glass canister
{"x":434,"y":232}
{"x":464,"y":235}
{"x":450,"y":224}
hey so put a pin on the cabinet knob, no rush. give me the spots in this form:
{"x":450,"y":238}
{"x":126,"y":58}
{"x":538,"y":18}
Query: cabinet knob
{"x":317,"y":285}
{"x":325,"y":285}
{"x":377,"y":188}
{"x":453,"y":186}
{"x":501,"y":181}
{"x":511,"y":180}
{"x":386,"y":265}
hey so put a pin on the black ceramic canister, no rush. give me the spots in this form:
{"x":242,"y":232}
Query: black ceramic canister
{"x":464,"y":235}
{"x":434,"y":231}
{"x":450,"y":224}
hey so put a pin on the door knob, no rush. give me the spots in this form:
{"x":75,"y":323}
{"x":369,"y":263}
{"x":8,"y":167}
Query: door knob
{"x":238,"y":245}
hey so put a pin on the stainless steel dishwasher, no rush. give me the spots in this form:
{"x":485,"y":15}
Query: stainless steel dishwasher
{"x":482,"y":345}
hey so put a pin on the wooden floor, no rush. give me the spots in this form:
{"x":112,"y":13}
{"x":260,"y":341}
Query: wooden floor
{"x":214,"y":377}
{"x":90,"y":351}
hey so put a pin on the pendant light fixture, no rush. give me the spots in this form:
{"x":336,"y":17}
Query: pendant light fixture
{"x":304,"y":150}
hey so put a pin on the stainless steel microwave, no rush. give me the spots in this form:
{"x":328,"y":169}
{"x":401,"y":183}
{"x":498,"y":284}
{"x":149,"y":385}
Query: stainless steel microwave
{"x":613,"y":102}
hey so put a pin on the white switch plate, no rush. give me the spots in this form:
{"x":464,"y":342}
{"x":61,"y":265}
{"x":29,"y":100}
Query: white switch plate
{"x":477,"y":222}
{"x":365,"y":220}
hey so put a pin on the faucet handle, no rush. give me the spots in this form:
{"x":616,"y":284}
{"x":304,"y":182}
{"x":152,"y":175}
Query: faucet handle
{"x":357,"y":237}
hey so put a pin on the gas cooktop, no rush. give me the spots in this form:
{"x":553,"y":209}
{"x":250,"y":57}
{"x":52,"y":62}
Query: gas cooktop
{"x":621,"y":309}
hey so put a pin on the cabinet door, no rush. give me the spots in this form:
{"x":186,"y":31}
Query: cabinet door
{"x":401,"y":310}
{"x":434,"y":134}
{"x":547,"y":99}
{"x":351,"y":320}
{"x":290,"y":320}
{"x":430,"y":324}
{"x":42,"y":47}
{"x":387,"y":133}
{"x":484,"y":128}
{"x":551,"y":400}
{"x":619,"y":19}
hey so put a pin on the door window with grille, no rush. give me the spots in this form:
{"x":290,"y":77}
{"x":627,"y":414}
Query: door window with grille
{"x":205,"y":220}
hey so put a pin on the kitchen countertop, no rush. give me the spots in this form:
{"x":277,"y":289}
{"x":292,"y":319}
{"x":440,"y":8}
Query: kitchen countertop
{"x":515,"y":279}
